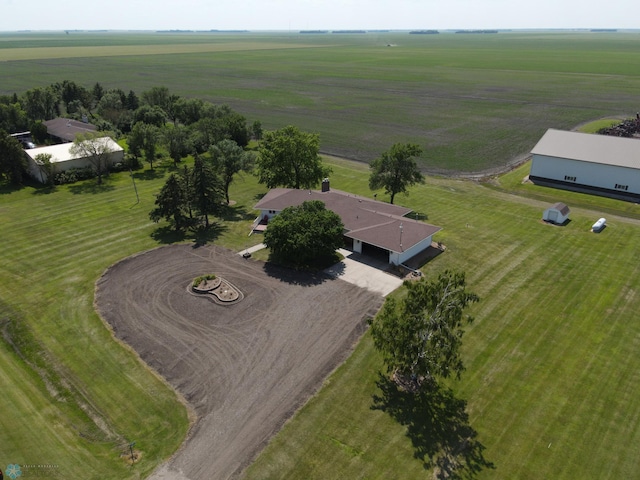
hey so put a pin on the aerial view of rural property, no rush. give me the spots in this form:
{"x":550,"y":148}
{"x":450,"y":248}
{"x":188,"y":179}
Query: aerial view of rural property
{"x":320,"y":240}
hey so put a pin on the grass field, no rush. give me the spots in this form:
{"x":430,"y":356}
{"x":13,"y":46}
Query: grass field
{"x":474,"y":102}
{"x":551,"y":384}
{"x":550,"y":388}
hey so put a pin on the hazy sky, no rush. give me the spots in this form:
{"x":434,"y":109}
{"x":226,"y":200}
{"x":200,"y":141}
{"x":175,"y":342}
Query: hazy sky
{"x":316,"y":14}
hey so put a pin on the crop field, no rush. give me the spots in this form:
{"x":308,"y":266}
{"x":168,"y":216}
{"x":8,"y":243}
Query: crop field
{"x":474,"y":102}
{"x":551,"y":385}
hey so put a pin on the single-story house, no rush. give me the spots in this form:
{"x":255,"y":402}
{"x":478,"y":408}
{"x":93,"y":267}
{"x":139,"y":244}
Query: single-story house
{"x":64,"y":130}
{"x":557,"y":213}
{"x":62,"y":159}
{"x":371,"y":227}
{"x":600,"y":163}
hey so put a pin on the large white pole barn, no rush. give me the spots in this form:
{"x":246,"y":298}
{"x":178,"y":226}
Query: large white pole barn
{"x":601,"y":162}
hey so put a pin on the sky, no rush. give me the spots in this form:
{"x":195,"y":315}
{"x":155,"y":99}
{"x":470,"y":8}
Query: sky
{"x":296,"y":15}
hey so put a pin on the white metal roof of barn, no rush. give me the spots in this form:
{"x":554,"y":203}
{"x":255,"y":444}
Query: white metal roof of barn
{"x":588,"y":147}
{"x":61,"y":153}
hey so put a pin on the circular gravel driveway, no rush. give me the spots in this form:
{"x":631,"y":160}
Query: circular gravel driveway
{"x":245,"y":368}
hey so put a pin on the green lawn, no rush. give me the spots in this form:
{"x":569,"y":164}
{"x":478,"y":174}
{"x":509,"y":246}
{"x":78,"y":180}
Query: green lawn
{"x":72,"y":396}
{"x":551,"y":385}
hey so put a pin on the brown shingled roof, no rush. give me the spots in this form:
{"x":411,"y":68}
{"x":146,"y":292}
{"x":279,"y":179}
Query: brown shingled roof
{"x":562,"y":208}
{"x":370,"y":221}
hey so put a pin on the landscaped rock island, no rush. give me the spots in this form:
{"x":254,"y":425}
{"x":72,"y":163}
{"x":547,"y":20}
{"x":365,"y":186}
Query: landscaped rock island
{"x":220,"y":290}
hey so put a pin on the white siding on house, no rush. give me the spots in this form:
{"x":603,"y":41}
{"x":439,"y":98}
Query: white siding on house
{"x":398,"y":258}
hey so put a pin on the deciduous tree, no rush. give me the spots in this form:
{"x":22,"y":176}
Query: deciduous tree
{"x":289,"y":158}
{"x":396,"y":169}
{"x":13,"y":164}
{"x":176,"y":138}
{"x":420,"y":336}
{"x":228,"y":159}
{"x":143,"y":140}
{"x":304,"y":235}
{"x":43,"y":161}
{"x":94,"y":146}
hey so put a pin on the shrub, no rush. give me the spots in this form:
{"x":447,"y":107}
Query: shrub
{"x":198,"y":280}
{"x":74,"y":175}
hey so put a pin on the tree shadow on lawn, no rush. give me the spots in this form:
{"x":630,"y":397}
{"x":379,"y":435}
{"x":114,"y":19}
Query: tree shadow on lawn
{"x":236,"y":213}
{"x":149,"y":174}
{"x":44,"y":189}
{"x":90,"y":186}
{"x":167,"y":235}
{"x":438,"y":427}
{"x":295,"y":277}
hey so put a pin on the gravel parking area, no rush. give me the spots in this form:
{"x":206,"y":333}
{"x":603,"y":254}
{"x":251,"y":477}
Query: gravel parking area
{"x":245,"y":368}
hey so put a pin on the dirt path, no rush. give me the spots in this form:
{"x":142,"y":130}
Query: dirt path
{"x":245,"y":368}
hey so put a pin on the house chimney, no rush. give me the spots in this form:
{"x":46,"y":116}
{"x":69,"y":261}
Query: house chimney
{"x":325,"y":185}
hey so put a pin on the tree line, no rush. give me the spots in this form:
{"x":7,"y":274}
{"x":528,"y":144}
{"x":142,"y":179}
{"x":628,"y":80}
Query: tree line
{"x":155,"y":119}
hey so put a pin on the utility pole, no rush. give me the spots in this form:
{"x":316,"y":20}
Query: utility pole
{"x":134,"y":185}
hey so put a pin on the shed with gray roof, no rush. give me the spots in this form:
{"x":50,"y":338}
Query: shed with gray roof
{"x":557,"y":213}
{"x":66,"y":129}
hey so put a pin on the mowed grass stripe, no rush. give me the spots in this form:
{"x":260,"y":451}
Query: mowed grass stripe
{"x":54,"y":257}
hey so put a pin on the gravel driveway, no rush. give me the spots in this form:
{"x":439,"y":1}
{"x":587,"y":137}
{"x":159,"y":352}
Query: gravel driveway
{"x":245,"y":368}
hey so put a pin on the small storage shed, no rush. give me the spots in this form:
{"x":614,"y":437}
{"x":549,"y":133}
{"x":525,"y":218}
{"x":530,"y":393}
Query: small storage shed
{"x":557,"y":213}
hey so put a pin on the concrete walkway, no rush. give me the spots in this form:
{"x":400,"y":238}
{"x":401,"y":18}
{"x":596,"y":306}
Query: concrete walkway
{"x":255,"y":248}
{"x":365,"y":272}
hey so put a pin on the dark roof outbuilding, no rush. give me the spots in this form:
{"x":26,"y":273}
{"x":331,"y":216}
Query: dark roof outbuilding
{"x":66,"y":129}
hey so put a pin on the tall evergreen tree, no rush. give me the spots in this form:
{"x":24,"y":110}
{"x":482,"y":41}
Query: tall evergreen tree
{"x":171,"y":204}
{"x":13,"y":164}
{"x":206,"y":190}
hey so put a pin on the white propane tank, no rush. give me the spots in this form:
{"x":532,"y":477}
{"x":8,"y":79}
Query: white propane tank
{"x":599,"y":225}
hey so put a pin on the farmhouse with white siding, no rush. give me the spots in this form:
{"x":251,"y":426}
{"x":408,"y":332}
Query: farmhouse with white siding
{"x":371,"y":227}
{"x":600,"y":163}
